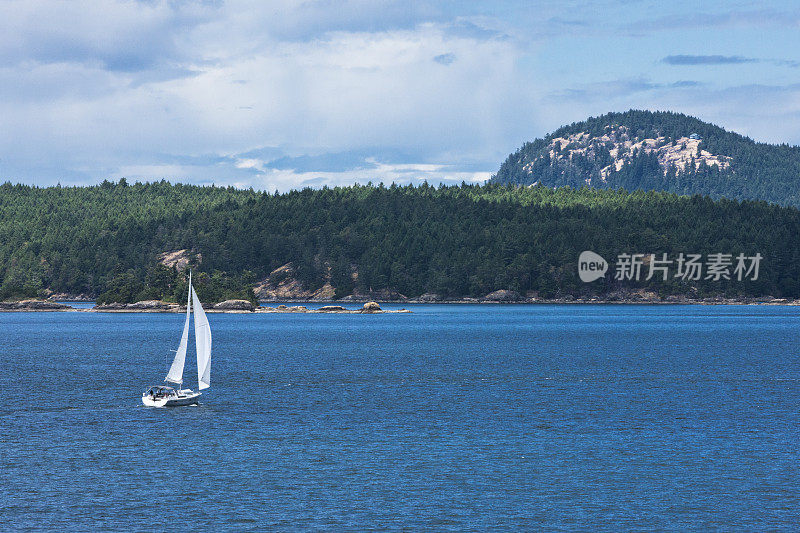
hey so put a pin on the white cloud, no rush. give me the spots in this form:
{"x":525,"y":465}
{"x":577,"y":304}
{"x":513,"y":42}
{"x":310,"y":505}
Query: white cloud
{"x":257,"y":174}
{"x":339,"y":91}
{"x":352,"y":90}
{"x":218,"y":91}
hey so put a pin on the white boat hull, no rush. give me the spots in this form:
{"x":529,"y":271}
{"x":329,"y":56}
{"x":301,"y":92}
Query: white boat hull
{"x":183,"y":397}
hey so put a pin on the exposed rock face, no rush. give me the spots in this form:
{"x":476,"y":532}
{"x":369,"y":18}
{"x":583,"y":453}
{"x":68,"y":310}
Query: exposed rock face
{"x":144,"y":306}
{"x":281,"y":285}
{"x":179,"y":259}
{"x":151,"y":305}
{"x":112,"y":306}
{"x":621,"y":144}
{"x":503,"y":296}
{"x":33,"y":305}
{"x":326,"y":293}
{"x":429,"y":297}
{"x":636,"y":295}
{"x":235,"y":305}
{"x":382,"y":295}
{"x":371,"y":307}
{"x":70,"y":297}
{"x":282,"y":309}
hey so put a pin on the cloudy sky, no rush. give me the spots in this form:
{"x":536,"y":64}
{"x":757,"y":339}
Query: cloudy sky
{"x":285,"y":94}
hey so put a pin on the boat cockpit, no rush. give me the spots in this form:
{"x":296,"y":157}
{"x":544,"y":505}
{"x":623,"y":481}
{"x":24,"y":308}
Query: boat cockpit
{"x":157,"y":393}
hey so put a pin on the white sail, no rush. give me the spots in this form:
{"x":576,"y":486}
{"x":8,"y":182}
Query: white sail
{"x":202,"y":338}
{"x":175,"y":374}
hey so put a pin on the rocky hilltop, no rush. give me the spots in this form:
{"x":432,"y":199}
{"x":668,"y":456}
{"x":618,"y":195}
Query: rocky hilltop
{"x":657,"y":151}
{"x":618,"y":147}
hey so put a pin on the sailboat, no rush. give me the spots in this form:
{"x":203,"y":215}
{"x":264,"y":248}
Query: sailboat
{"x":163,"y":396}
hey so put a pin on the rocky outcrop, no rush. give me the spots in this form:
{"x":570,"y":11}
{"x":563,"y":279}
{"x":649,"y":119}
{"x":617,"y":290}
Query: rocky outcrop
{"x":111,"y":306}
{"x":503,"y":295}
{"x":621,"y":144}
{"x":428,"y":297}
{"x":283,"y":309}
{"x":179,"y":259}
{"x":383,"y":295}
{"x":33,"y":305}
{"x":145,"y":306}
{"x":281,"y":285}
{"x":661,"y":151}
{"x":67,"y":297}
{"x":234,"y":305}
{"x":326,"y":293}
{"x":371,"y":307}
{"x":151,"y":305}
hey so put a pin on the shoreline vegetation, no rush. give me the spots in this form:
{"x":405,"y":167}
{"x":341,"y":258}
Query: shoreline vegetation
{"x":120,"y":243}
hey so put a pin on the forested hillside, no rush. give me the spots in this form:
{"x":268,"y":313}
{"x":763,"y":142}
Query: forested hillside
{"x":658,"y":151}
{"x":453,"y":241}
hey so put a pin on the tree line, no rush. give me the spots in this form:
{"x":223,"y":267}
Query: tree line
{"x":454,"y":241}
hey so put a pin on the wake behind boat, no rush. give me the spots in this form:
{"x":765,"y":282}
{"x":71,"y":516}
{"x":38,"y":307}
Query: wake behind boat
{"x":163,"y":396}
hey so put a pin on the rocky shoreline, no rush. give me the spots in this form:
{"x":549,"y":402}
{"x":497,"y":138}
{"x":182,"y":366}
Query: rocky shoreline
{"x":373,"y":306}
{"x":615,"y":299}
{"x":156,"y":306}
{"x":623,"y":297}
{"x":236,"y":306}
{"x":34,"y":305}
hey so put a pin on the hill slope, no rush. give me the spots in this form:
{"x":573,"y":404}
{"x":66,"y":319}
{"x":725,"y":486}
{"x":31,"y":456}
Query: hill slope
{"x":661,"y":151}
{"x":115,"y":240}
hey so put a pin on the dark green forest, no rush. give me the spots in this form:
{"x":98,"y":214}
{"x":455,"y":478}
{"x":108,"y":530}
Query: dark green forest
{"x":456,"y":241}
{"x":757,"y":170}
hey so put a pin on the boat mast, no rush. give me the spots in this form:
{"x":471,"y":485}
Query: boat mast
{"x":175,"y":372}
{"x":188,"y":300}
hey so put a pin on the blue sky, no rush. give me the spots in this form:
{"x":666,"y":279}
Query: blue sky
{"x":287,"y":94}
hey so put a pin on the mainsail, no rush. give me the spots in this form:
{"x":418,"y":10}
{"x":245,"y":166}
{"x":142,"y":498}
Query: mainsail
{"x":175,"y":374}
{"x":202,"y":338}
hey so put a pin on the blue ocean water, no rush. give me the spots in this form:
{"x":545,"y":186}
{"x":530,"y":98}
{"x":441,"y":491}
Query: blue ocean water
{"x":454,"y":417}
